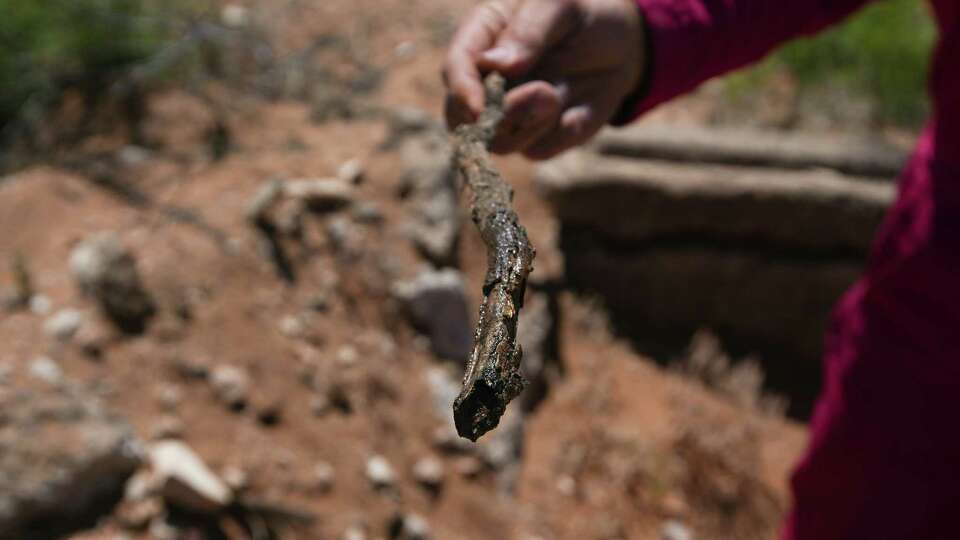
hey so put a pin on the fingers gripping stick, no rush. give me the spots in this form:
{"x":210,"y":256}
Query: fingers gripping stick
{"x":492,"y":378}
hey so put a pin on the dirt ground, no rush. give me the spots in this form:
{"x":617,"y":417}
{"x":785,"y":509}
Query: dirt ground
{"x":618,"y":449}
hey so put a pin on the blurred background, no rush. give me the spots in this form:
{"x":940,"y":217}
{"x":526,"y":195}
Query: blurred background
{"x":238,"y":279}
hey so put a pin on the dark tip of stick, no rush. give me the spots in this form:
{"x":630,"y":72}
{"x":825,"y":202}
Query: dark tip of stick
{"x":477,"y":411}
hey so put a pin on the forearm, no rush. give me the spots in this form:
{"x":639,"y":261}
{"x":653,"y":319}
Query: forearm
{"x":694,"y":40}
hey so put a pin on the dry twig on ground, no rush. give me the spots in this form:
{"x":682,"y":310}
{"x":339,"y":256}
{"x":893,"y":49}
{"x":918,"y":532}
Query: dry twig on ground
{"x":492,"y":378}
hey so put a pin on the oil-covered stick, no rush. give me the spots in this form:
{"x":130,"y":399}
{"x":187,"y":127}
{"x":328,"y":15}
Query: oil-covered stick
{"x":492,"y":378}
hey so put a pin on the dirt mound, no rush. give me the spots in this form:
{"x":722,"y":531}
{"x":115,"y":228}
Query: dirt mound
{"x":281,"y":353}
{"x":752,"y":234}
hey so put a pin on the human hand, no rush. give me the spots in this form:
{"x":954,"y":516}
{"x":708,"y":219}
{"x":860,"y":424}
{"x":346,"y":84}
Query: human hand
{"x":573,"y":63}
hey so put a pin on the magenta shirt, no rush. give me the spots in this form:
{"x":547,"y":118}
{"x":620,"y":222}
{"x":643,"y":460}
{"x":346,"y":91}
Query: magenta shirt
{"x":884,"y":456}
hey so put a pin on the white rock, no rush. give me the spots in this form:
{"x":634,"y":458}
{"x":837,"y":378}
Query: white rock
{"x":132,"y":155}
{"x":319,"y":405}
{"x":429,"y":472}
{"x":567,"y":485}
{"x":355,"y":532}
{"x":414,"y":527}
{"x":347,"y":356}
{"x":352,"y":172}
{"x":106,"y":270}
{"x":40,"y":304}
{"x":160,"y":529}
{"x":169,"y":397}
{"x":324,"y":475}
{"x":185,"y":480}
{"x":405,"y":50}
{"x":675,"y":530}
{"x":64,"y":324}
{"x":46,"y":370}
{"x":235,"y":15}
{"x":231,"y":385}
{"x":343,"y":235}
{"x":292,"y":326}
{"x":380,"y":473}
{"x":90,"y":260}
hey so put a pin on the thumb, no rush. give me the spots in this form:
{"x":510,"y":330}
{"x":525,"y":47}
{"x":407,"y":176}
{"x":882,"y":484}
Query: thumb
{"x":532,"y":31}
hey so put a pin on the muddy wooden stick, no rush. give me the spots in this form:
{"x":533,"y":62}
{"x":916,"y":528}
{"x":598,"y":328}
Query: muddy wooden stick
{"x":492,"y":378}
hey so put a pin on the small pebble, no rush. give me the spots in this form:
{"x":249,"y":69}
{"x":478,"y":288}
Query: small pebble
{"x":429,"y":472}
{"x":160,"y":529}
{"x":347,"y":356}
{"x":675,"y":530}
{"x":409,"y":527}
{"x":355,"y":532}
{"x":319,"y":405}
{"x":415,"y":527}
{"x":324,"y":475}
{"x":352,"y":171}
{"x":292,"y":326}
{"x":169,"y":397}
{"x":342,"y":235}
{"x":231,"y":385}
{"x":40,"y":304}
{"x":64,"y":324}
{"x":405,"y":50}
{"x":235,"y":15}
{"x":46,"y":370}
{"x":566,"y":485}
{"x":380,"y":473}
{"x":132,"y":155}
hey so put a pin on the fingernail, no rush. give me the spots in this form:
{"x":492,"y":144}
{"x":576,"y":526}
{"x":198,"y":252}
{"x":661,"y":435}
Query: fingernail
{"x":500,"y":55}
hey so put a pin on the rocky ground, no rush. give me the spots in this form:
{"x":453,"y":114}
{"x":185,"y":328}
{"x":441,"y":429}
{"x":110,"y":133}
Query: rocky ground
{"x":267,"y":345}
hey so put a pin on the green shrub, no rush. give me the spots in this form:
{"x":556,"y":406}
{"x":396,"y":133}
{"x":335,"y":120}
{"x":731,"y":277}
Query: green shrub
{"x":50,"y":46}
{"x":880,"y":54}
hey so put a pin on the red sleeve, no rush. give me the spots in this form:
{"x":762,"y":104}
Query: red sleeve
{"x":695,"y":40}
